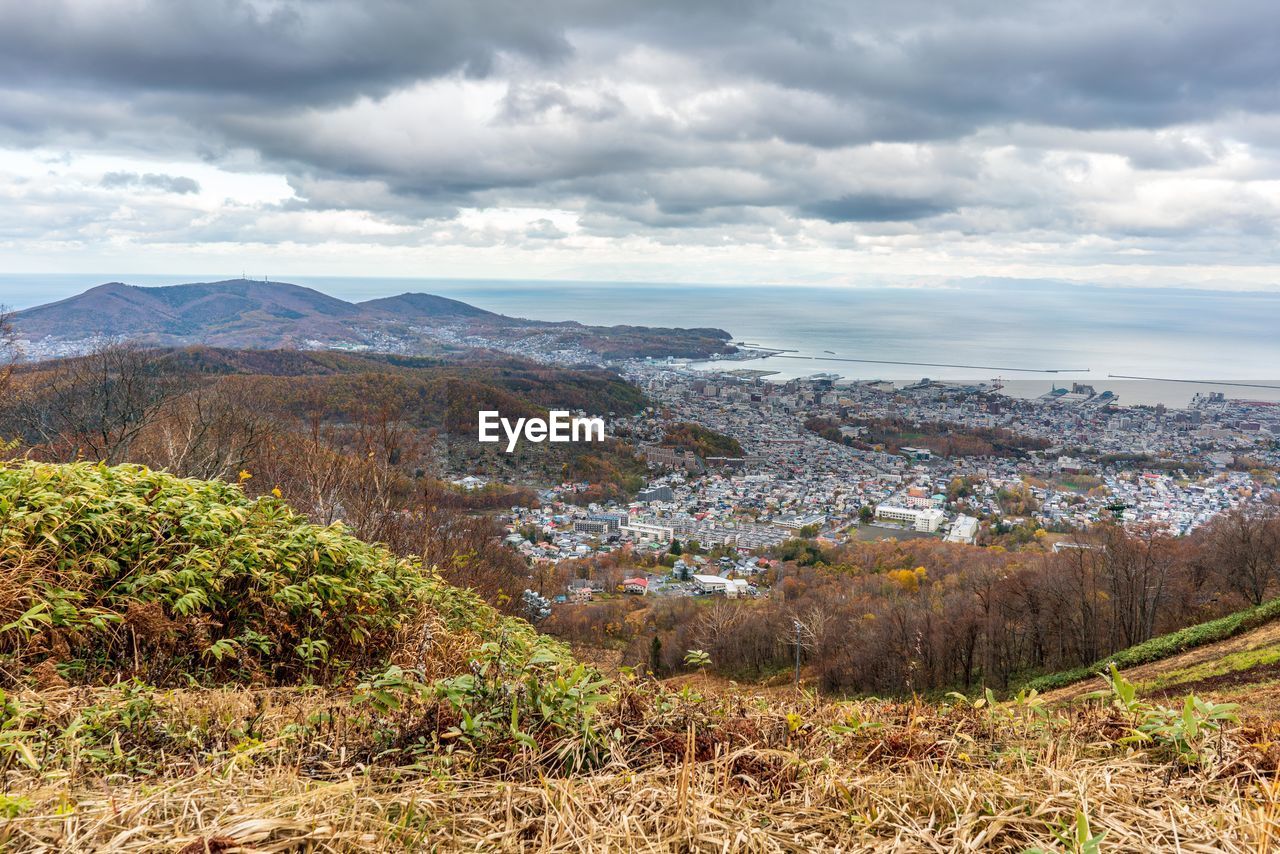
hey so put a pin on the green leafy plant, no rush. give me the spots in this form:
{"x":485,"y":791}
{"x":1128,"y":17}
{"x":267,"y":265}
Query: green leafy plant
{"x":111,"y":564}
{"x":1076,"y":836}
{"x":1186,"y":731}
{"x":1164,"y":646}
{"x":697,"y":658}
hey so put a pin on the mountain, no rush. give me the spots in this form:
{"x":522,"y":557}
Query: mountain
{"x":241,"y":313}
{"x":212,"y":312}
{"x":417,"y":306}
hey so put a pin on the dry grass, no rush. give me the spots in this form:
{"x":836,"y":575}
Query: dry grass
{"x":723,"y":773}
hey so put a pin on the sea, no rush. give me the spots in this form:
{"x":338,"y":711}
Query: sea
{"x":1031,"y":336}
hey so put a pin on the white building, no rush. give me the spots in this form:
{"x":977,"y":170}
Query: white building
{"x":730,"y":587}
{"x":963,"y":530}
{"x":926,"y":521}
{"x":795,"y":523}
{"x":649,"y":530}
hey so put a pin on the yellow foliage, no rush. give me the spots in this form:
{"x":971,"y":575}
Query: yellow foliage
{"x":908,"y":579}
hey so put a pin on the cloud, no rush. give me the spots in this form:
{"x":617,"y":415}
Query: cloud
{"x":874,"y":208}
{"x":289,"y":52}
{"x":150,"y":181}
{"x":979,"y":132}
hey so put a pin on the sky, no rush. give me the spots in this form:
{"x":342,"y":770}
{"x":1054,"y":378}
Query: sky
{"x":828,"y":142}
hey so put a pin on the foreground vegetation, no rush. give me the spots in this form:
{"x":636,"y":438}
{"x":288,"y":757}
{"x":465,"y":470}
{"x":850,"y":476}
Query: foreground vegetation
{"x":121,"y":572}
{"x":187,"y":668}
{"x":645,"y":768}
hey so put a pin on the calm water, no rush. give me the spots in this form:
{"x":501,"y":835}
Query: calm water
{"x":1152,"y":333}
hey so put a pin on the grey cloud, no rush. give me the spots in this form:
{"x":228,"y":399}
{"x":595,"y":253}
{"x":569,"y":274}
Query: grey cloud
{"x":248,"y":52}
{"x":179,"y":184}
{"x":871,"y":207}
{"x":912,"y":70}
{"x":525,"y":103}
{"x":752,"y":119}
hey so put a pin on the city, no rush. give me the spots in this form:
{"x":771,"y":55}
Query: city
{"x":1088,"y":460}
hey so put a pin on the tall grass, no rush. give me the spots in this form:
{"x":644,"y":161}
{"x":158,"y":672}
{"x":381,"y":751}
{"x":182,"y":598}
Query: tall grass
{"x":293,"y":770}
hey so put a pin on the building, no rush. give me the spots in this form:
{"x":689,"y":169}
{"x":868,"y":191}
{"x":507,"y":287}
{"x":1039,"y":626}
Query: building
{"x":599,"y":524}
{"x":925,"y":521}
{"x":1064,"y":545}
{"x":963,"y":530}
{"x":595,"y":526}
{"x":649,"y":530}
{"x":920,"y":499}
{"x":636,"y":586}
{"x":1070,"y":465}
{"x":671,"y":458}
{"x":795,"y":523}
{"x":916,"y":455}
{"x":733,"y":463}
{"x":583,"y":589}
{"x":730,"y":587}
{"x":655,"y":493}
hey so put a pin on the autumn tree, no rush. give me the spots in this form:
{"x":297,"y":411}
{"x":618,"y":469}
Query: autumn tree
{"x":1246,"y":543}
{"x":208,"y":432}
{"x":95,"y":406}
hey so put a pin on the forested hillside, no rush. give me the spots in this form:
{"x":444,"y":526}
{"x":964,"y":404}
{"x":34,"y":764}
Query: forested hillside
{"x":213,"y":412}
{"x":899,"y":617}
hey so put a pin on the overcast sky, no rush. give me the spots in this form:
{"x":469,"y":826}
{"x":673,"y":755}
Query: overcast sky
{"x":686,"y":140}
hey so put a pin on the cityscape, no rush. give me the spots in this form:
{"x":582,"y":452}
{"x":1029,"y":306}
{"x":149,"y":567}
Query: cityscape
{"x":1088,"y":460}
{"x":755,"y":427}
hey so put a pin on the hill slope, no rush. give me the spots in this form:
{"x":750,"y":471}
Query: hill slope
{"x":119,"y":571}
{"x":246,"y":313}
{"x":1238,"y":651}
{"x":430,"y":396}
{"x":411,"y":307}
{"x":1246,"y":665}
{"x":481,"y":735}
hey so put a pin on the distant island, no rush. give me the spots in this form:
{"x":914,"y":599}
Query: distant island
{"x":245,"y":313}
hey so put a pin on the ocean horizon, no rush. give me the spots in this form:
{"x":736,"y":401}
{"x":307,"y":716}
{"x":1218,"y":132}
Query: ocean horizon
{"x":1031,"y":339}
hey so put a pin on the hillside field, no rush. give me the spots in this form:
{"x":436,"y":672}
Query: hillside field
{"x":190,"y":669}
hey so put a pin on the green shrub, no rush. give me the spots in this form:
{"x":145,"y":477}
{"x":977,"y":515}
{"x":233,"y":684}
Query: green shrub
{"x":120,"y":568}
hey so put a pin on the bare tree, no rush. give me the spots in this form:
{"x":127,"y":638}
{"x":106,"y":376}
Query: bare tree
{"x":381,"y":444}
{"x":1135,"y":570}
{"x":10,"y":351}
{"x":95,"y":406}
{"x":209,"y":432}
{"x":1247,"y":546}
{"x":309,"y":467}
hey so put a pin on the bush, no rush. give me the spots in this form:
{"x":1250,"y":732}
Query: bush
{"x":111,"y":569}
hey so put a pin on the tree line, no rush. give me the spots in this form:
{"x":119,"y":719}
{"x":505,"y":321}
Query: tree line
{"x":922,"y":615}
